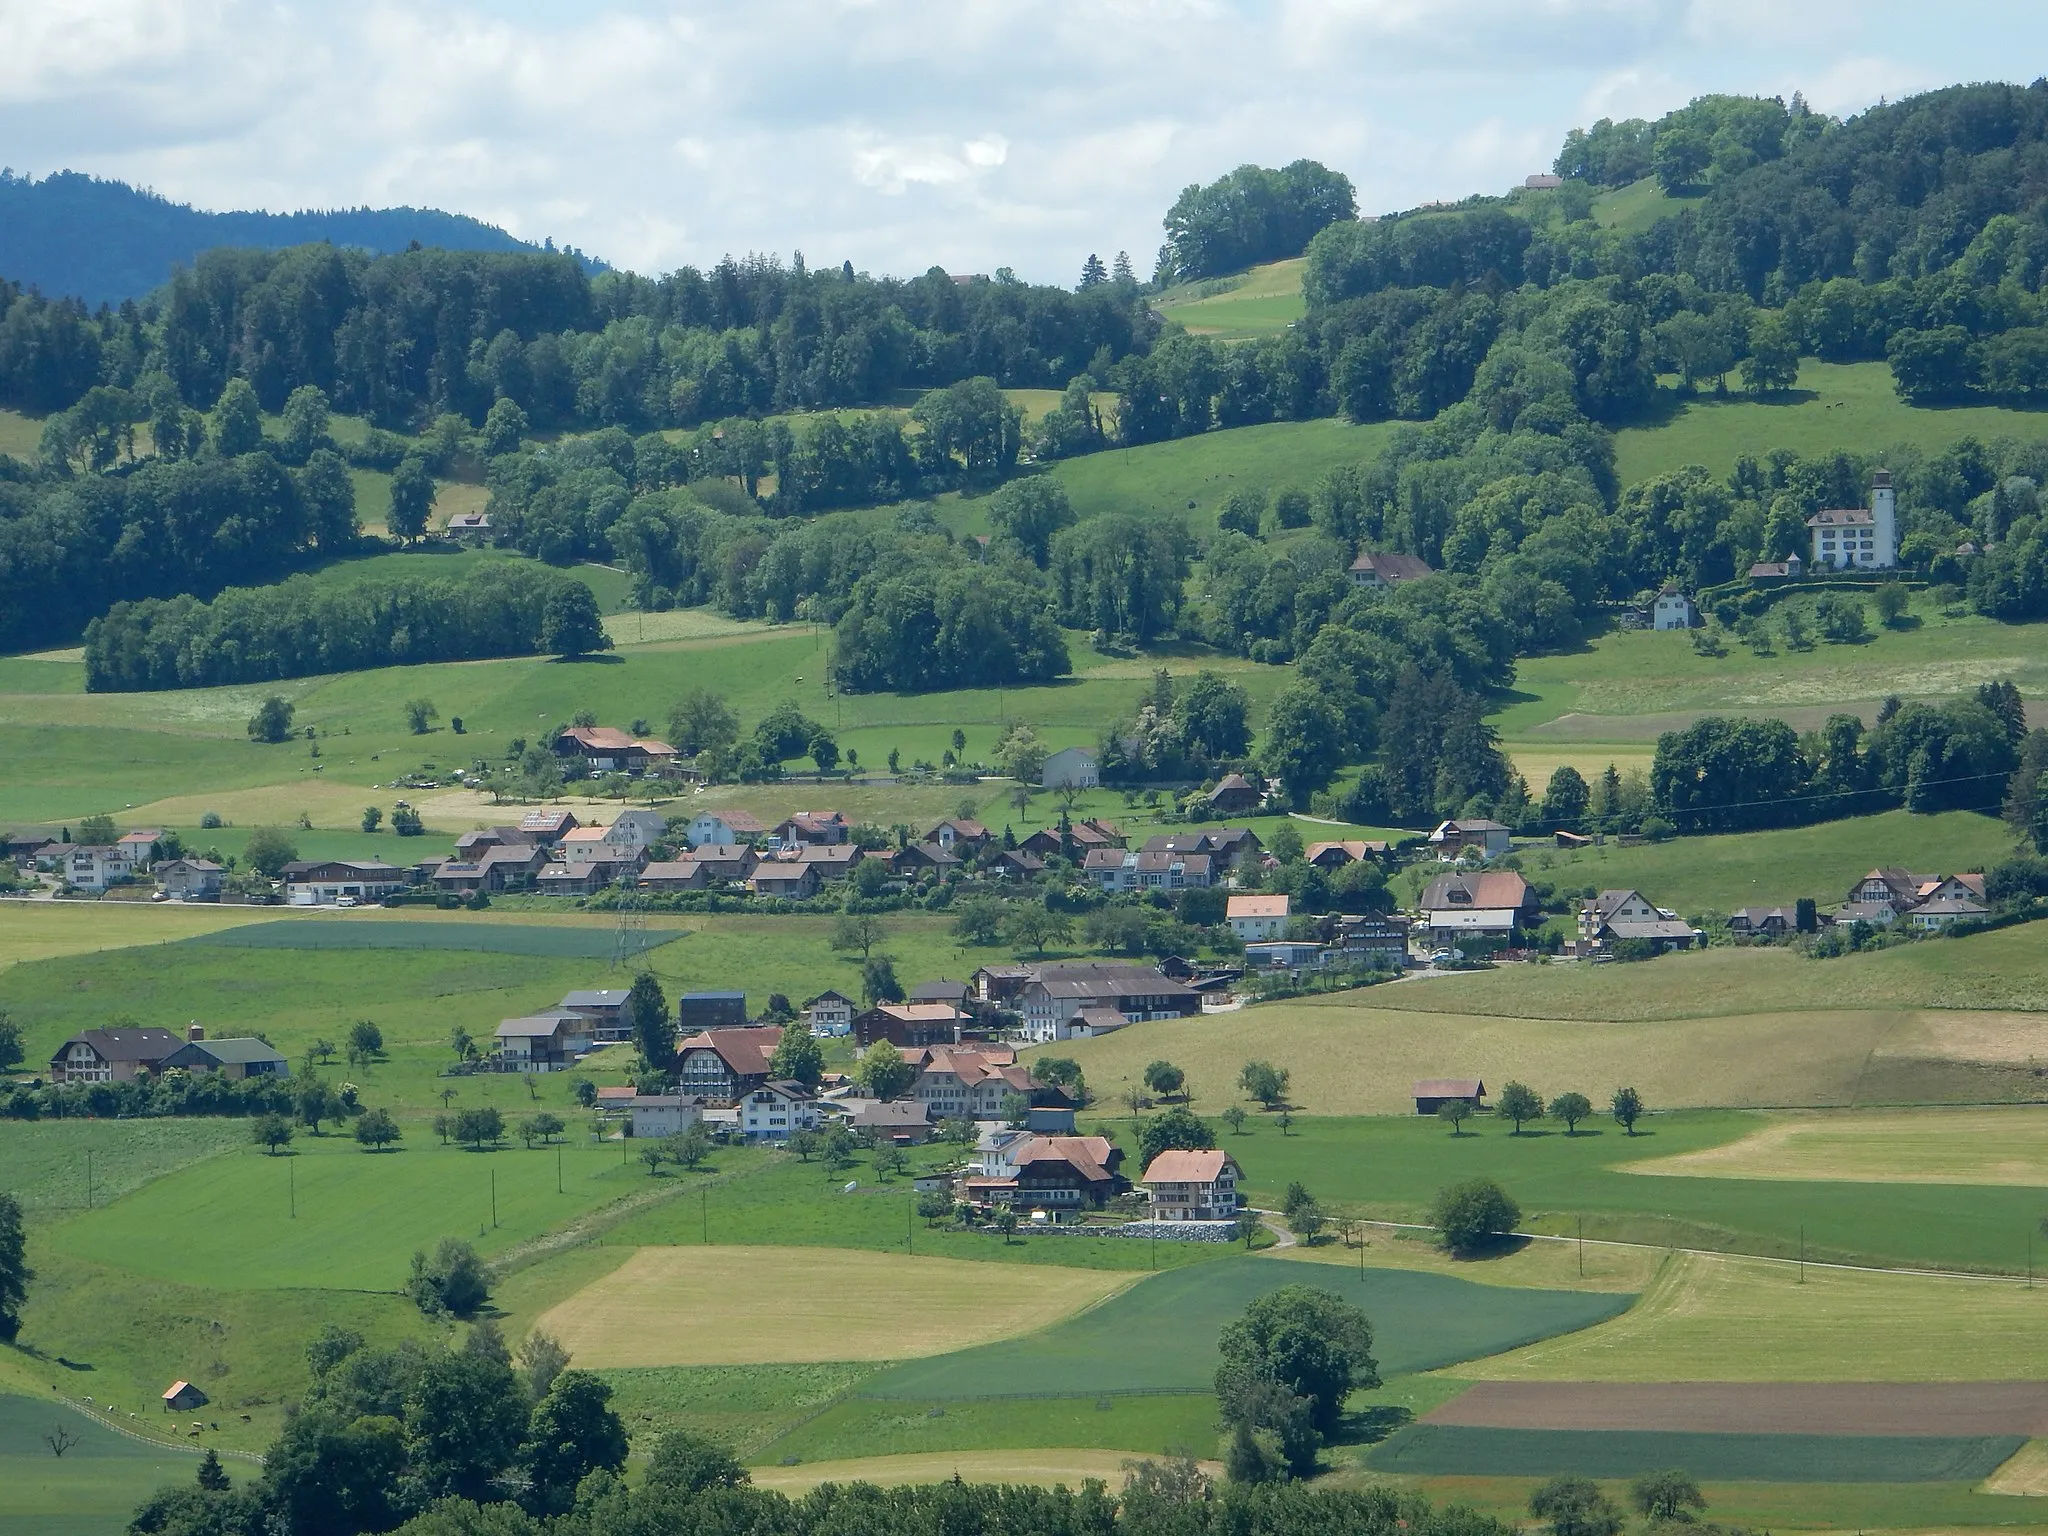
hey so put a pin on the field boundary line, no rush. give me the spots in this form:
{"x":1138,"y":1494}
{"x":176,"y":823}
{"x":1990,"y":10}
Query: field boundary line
{"x":1736,"y":1253}
{"x":106,"y":1422}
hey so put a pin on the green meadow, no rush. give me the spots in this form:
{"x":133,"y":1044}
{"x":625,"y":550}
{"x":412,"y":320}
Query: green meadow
{"x":1451,"y":1450}
{"x":1390,"y":1167}
{"x":93,"y":1488}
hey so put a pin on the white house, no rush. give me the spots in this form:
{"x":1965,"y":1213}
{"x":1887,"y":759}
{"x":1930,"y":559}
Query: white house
{"x":1489,"y":839}
{"x":322,"y":882}
{"x":773,"y":1110}
{"x":1257,"y":917}
{"x":544,"y":1042}
{"x":1673,"y":610}
{"x":662,"y":1114}
{"x":94,"y":867}
{"x":724,"y":828}
{"x":185,"y":879}
{"x":829,"y":1015}
{"x":1058,"y":993}
{"x":1192,"y":1186}
{"x":1070,"y":768}
{"x":1858,"y":538}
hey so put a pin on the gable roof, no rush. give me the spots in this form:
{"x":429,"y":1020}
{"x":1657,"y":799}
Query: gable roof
{"x":1841,"y":517}
{"x":1255,"y":906}
{"x":1177,"y":1167}
{"x":240,"y":1052}
{"x":745,"y":1051}
{"x":1607,"y":903}
{"x":606,"y":997}
{"x":734,"y":819}
{"x":1493,"y":890}
{"x":139,"y":1045}
{"x":1390,"y":567}
{"x":1448,"y":1088}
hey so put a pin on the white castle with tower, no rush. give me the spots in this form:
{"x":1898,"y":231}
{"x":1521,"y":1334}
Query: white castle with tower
{"x":1858,"y":538}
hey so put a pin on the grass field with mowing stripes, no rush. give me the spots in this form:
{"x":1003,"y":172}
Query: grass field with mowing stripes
{"x":1454,"y":1450}
{"x":1160,"y":1336}
{"x":46,"y":1163}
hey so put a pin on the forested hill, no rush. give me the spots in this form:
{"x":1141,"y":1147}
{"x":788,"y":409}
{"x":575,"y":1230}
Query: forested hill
{"x":76,"y":236}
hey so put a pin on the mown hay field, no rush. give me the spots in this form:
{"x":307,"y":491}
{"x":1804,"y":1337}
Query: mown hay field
{"x":735,"y":1305}
{"x":1953,"y":1146}
{"x":1456,"y":1450}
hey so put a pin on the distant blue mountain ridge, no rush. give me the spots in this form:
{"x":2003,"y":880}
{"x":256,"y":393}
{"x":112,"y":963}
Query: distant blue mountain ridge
{"x":73,"y":235}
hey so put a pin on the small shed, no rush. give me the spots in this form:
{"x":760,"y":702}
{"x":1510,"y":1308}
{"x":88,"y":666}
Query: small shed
{"x":1431,"y":1094}
{"x":182,"y":1397}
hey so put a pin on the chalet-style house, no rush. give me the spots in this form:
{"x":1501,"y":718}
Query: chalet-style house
{"x":1378,"y":571}
{"x":1629,"y":916}
{"x":1058,"y":1175}
{"x":1084,"y":837}
{"x":1370,"y":940}
{"x":1235,"y":795}
{"x":1331,"y":857}
{"x":959,"y":836}
{"x":1454,"y":839}
{"x":722,"y":1066}
{"x":830,"y":1014}
{"x":544,"y":1042}
{"x":912,"y":1024}
{"x":1763,"y":922}
{"x":111,"y":1055}
{"x":822,"y":829}
{"x":1193,"y":1186}
{"x":606,"y":750}
{"x":1056,"y":994}
{"x":189,"y":879}
{"x":1490,"y":903}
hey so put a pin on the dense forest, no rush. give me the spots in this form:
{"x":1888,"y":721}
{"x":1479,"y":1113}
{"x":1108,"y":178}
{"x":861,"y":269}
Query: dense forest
{"x":104,"y":241}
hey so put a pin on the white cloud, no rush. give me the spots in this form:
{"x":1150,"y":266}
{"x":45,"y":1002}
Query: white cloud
{"x":900,"y":133}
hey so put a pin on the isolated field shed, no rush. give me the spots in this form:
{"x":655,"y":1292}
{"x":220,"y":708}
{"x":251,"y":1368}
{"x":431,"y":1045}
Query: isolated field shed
{"x":1431,"y":1094}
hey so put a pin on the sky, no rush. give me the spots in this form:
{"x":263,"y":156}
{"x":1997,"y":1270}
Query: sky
{"x":905,"y":134}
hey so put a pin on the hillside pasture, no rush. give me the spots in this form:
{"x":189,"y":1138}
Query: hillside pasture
{"x":737,"y":1305}
{"x":330,"y":1215}
{"x":93,"y":1488}
{"x":46,"y":1163}
{"x":50,"y":930}
{"x":556,"y":941}
{"x":860,"y":1428}
{"x":1159,"y":1336}
{"x":1833,"y":406}
{"x":1261,"y":302}
{"x":1733,"y":1319}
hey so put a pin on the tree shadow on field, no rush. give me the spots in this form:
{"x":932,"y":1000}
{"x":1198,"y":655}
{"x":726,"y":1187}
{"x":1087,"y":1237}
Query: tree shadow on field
{"x":1369,"y":1426}
{"x":1493,"y":1248}
{"x":592,"y":658}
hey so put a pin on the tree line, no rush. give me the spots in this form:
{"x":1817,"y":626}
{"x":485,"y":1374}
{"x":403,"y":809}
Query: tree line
{"x":302,"y":626}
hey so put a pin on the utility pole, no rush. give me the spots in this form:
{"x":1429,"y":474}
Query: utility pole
{"x":704,"y":1214}
{"x":910,"y":1225}
{"x":88,"y":1180}
{"x":558,"y":1170}
{"x":494,"y":1197}
{"x":291,"y":1174}
{"x":1802,"y":1253}
{"x":1582,"y":1247}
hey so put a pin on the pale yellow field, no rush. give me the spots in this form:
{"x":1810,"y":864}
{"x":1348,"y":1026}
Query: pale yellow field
{"x":676,"y":624}
{"x":1348,"y":1058}
{"x":739,"y":1306}
{"x":1950,"y":1146}
{"x":2025,"y":1473}
{"x":1043,"y":1468}
{"x":43,"y":930}
{"x":1728,"y":1319}
{"x":1543,"y":1266}
{"x":1537,"y":761}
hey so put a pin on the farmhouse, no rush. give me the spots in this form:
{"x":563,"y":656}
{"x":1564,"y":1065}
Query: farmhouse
{"x":1235,"y":795}
{"x":231,"y":1059}
{"x":1433,"y":1093}
{"x":1489,"y":903}
{"x":470,"y":527}
{"x":1057,"y":993}
{"x":967,"y":1082}
{"x":1070,"y":768}
{"x":1454,"y":839}
{"x":1331,"y":857}
{"x":1378,"y":571}
{"x":189,"y":879}
{"x":606,"y":750}
{"x":723,"y":1065}
{"x":1858,"y":538}
{"x":1371,"y":940}
{"x":111,"y":1055}
{"x":1192,"y":1186}
{"x":543,"y":1042}
{"x":1257,"y":916}
{"x":1625,"y":916}
{"x":1059,"y":1175}
{"x":911,"y":1024}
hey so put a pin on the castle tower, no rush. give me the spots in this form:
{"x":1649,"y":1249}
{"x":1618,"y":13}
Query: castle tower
{"x":1884,"y":521}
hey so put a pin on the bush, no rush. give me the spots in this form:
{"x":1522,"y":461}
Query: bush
{"x":451,"y":1281}
{"x":1473,"y":1217}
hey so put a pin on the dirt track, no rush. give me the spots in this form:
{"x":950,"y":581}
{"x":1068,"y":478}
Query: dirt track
{"x":1718,"y":1407}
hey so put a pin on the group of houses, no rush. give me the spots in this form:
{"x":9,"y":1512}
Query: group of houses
{"x":123,"y":1054}
{"x":1928,"y":903}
